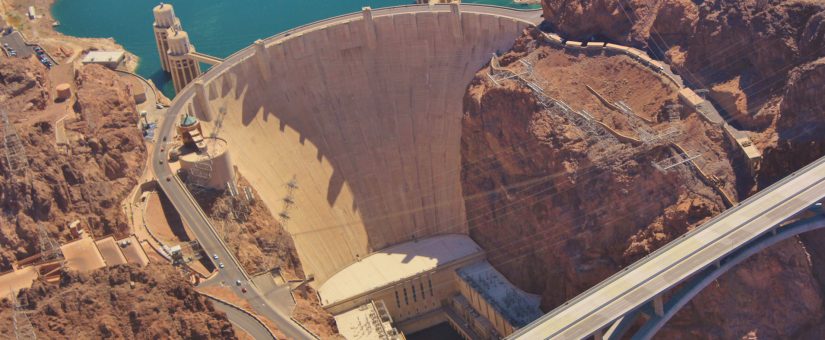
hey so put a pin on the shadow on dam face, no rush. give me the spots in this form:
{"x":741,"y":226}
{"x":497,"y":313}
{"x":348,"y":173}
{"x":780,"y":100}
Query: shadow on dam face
{"x":369,"y":131}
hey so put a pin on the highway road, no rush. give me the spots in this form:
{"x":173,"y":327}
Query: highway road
{"x":240,"y":319}
{"x":191,"y":212}
{"x":675,"y":262}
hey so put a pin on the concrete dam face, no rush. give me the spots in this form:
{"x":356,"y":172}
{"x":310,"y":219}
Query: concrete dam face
{"x":363,"y":116}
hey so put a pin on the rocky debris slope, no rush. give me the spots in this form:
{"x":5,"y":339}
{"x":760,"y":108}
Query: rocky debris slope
{"x":261,"y":244}
{"x":120,"y":302}
{"x":23,"y":84}
{"x":85,"y":181}
{"x":558,"y":213}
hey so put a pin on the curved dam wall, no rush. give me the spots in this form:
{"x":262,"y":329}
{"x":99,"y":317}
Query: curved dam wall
{"x":364,"y":112}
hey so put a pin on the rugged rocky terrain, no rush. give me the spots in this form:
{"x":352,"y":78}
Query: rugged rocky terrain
{"x":543,"y":192}
{"x":86,"y":180}
{"x":261,"y":244}
{"x":121,"y":302}
{"x":257,"y":239}
{"x":763,"y":64}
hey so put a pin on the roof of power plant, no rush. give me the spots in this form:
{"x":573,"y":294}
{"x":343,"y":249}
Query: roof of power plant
{"x":396,"y":263}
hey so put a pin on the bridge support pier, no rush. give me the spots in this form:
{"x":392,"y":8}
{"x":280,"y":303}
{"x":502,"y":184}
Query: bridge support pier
{"x":658,"y":306}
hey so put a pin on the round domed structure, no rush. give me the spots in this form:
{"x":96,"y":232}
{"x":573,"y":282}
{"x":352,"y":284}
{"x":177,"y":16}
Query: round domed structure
{"x":188,"y":121}
{"x":189,"y":130}
{"x":164,"y":15}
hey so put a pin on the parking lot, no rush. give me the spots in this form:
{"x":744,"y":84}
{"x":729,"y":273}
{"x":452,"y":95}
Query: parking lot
{"x":17,"y":44}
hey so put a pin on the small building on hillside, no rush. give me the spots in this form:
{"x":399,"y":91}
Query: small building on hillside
{"x":110,"y":59}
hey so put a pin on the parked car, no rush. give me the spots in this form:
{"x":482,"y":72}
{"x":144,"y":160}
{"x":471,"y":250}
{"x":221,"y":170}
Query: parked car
{"x":215,"y":256}
{"x":220,"y":265}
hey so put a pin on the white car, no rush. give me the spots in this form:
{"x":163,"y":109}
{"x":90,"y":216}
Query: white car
{"x":238,"y":282}
{"x":220,"y":265}
{"x":215,"y":256}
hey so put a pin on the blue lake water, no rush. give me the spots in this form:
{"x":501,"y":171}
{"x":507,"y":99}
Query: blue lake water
{"x":217,"y":28}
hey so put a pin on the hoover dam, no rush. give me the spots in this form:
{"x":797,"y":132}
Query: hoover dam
{"x":365,"y":116}
{"x":349,"y":130}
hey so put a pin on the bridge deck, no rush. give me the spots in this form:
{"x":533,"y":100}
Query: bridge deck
{"x":205,"y":58}
{"x":660,"y":271}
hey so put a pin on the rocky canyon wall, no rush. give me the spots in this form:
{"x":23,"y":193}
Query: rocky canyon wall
{"x":556,"y":218}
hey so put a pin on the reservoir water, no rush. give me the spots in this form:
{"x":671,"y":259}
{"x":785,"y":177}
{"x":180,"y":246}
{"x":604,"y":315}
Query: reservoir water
{"x":217,"y":28}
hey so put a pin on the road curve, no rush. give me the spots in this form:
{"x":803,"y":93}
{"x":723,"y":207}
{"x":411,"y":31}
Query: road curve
{"x":191,"y":212}
{"x":660,"y":271}
{"x":240,"y":319}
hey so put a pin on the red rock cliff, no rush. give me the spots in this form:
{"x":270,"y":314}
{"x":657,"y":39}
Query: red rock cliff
{"x":556,"y":218}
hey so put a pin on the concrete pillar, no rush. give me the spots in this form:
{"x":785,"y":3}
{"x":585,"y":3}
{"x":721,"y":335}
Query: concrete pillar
{"x":202,"y":101}
{"x":599,"y":335}
{"x":658,"y":306}
{"x":262,"y":58}
{"x":369,"y":26}
{"x":455,"y":16}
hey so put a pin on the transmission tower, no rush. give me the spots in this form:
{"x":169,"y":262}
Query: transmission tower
{"x":23,"y":329}
{"x":218,"y":122}
{"x":676,"y":160}
{"x":49,"y":248}
{"x":673,"y":112}
{"x":289,"y":199}
{"x":13,"y":146}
